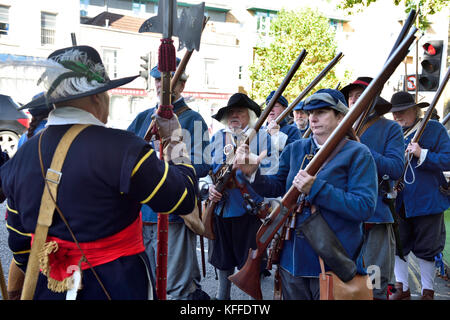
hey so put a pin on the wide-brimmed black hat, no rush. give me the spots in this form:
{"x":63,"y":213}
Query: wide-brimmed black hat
{"x":382,"y":106}
{"x":238,"y":100}
{"x":77,"y":69}
{"x":403,"y":100}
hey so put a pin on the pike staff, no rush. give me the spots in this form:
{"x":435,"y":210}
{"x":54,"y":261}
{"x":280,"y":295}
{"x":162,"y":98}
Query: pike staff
{"x":167,"y":23}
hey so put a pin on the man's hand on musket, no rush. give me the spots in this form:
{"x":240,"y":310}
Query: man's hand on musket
{"x":303,"y":181}
{"x":213,"y":194}
{"x":414,"y":148}
{"x":246,"y":161}
{"x":273,"y":128}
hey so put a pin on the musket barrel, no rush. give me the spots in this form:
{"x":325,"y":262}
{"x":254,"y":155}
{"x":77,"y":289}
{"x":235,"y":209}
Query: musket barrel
{"x":406,"y":27}
{"x":429,"y":112}
{"x":447,"y":117}
{"x":313,"y":83}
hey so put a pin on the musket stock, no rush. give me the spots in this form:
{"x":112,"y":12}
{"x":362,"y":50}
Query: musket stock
{"x":245,"y":278}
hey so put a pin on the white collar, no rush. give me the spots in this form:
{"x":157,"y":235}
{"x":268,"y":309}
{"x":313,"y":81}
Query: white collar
{"x":71,"y":115}
{"x":228,"y":130}
{"x":317,"y":144}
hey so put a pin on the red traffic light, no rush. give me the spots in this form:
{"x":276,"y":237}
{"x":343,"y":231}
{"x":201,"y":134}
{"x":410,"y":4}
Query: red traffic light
{"x":429,"y":49}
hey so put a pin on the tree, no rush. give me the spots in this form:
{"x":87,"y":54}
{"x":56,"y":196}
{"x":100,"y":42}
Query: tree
{"x":427,"y":8}
{"x":291,"y":32}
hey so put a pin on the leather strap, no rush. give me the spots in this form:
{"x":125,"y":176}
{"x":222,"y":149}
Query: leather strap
{"x":368,"y":124}
{"x":47,"y":208}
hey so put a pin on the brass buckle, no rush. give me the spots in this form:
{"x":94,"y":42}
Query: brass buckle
{"x":53,"y":176}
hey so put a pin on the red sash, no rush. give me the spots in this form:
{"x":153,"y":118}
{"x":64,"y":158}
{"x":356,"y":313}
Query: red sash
{"x":65,"y":259}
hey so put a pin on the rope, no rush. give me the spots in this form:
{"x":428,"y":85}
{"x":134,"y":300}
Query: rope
{"x":409,"y":167}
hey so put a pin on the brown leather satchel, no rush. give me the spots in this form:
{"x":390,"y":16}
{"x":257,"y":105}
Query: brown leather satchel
{"x":193,"y":220}
{"x":333,"y":288}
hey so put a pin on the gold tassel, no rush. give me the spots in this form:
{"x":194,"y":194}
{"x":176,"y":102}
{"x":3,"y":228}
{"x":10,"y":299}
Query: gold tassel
{"x":52,"y":284}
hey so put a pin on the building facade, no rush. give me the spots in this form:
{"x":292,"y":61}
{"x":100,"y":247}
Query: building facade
{"x":30,"y":30}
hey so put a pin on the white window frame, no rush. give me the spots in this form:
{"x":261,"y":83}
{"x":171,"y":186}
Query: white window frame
{"x":48,"y":33}
{"x":4,"y":19}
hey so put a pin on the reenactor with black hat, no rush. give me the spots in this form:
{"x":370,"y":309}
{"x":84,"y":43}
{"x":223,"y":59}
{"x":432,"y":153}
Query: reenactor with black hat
{"x":422,"y":202}
{"x":385,"y":141}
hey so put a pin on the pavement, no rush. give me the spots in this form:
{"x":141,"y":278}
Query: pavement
{"x":210,"y":283}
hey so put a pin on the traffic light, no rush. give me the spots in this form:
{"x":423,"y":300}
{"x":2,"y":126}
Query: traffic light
{"x":145,"y":72}
{"x":431,"y":65}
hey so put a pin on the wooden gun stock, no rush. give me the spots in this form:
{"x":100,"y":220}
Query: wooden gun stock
{"x":247,"y":279}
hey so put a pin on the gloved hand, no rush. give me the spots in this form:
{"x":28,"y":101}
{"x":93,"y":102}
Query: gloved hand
{"x":246,"y":161}
{"x":168,"y":128}
{"x":174,"y":149}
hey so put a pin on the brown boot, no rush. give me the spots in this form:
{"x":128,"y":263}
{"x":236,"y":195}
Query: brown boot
{"x":427,"y":294}
{"x":399,"y":294}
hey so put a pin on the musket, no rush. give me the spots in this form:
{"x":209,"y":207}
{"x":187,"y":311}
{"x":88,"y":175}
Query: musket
{"x":3,"y":284}
{"x":310,"y":86}
{"x":305,"y":92}
{"x":428,"y":114}
{"x":406,"y":27}
{"x":445,"y":120}
{"x":226,"y":170}
{"x":247,"y":278}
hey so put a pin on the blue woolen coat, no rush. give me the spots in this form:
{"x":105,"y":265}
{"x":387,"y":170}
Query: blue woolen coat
{"x":423,"y":197}
{"x":385,"y":141}
{"x":345,"y":191}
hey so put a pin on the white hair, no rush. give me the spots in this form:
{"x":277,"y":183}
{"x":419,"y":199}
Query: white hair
{"x":251,"y":123}
{"x":72,"y":85}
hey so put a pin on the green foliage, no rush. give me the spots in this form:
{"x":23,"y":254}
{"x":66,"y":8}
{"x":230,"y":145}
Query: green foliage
{"x":293,"y":31}
{"x":427,"y":8}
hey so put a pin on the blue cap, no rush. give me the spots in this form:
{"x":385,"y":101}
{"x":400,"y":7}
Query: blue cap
{"x":40,"y":110}
{"x":326,"y":98}
{"x":282,"y":100}
{"x":157,"y":75}
{"x":299,"y":106}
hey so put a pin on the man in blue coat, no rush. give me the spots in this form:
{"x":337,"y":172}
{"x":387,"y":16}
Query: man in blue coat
{"x":385,"y":141}
{"x":183,"y":272}
{"x":301,"y":118}
{"x":422,"y":202}
{"x":284,"y":133}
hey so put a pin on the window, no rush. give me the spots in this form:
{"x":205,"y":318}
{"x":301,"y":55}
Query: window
{"x":138,"y":7}
{"x":110,"y":62}
{"x":263,"y":19}
{"x":240,"y":73}
{"x":211,"y":73}
{"x":84,"y":4}
{"x":48,"y":28}
{"x":4,"y":20}
{"x":336,"y":24}
{"x":214,"y":15}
